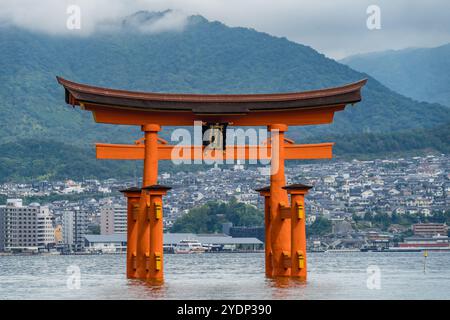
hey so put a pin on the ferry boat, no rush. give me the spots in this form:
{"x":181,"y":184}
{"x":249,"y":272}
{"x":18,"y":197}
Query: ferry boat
{"x":189,"y":246}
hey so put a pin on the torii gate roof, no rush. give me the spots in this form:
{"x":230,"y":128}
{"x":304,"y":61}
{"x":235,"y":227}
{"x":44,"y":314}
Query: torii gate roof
{"x":215,"y":106}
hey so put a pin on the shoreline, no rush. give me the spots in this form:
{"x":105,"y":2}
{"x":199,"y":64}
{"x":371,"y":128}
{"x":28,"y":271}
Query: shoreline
{"x":5,"y":254}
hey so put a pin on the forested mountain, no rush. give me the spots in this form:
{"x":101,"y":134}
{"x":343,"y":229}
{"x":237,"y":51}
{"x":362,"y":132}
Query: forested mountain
{"x":420,"y":73}
{"x":204,"y":57}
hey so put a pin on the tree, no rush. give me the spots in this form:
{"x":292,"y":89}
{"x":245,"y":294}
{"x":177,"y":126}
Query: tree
{"x":395,"y":218}
{"x":382,"y":219}
{"x":321,"y":226}
{"x":210,"y":217}
{"x":368,"y":216}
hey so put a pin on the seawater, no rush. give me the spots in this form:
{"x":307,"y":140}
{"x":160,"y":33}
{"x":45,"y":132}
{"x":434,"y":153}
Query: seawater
{"x":230,"y":276}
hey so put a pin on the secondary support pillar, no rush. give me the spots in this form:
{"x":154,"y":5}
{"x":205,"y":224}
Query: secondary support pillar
{"x":298,"y":229}
{"x":154,"y":212}
{"x":279,"y":225}
{"x":265,"y":192}
{"x":133,"y":196}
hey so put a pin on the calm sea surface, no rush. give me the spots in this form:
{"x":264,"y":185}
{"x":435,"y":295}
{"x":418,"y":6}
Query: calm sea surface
{"x":230,"y":276}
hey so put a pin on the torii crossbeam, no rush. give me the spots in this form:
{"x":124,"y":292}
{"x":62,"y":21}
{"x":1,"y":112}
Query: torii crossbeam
{"x":285,"y":244}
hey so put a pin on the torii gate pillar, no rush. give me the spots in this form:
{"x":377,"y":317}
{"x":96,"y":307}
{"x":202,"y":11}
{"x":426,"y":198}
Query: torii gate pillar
{"x":145,"y":216}
{"x":279,"y":225}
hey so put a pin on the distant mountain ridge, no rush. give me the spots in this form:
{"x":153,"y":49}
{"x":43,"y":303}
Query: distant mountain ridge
{"x":201,"y":57}
{"x":420,"y":73}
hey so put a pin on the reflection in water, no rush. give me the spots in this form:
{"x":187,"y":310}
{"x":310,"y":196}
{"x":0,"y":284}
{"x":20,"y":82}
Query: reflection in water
{"x":284,"y":282}
{"x":149,"y":289}
{"x":285,"y":287}
{"x":228,"y":276}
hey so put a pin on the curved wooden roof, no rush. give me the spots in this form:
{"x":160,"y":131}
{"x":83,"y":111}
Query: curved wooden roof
{"x":210,"y":104}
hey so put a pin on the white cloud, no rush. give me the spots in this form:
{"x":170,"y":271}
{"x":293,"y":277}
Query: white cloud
{"x":171,"y":21}
{"x":51,"y":15}
{"x":334,"y":27}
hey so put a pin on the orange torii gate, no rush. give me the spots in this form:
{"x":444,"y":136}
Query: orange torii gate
{"x":285,"y":245}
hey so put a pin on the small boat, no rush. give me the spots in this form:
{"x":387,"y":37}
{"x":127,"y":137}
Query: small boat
{"x":189,"y":246}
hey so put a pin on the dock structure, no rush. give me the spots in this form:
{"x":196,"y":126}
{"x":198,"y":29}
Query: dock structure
{"x":285,"y":245}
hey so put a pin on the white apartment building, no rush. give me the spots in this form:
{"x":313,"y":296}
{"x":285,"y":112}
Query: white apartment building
{"x":113,"y":219}
{"x":25,"y":227}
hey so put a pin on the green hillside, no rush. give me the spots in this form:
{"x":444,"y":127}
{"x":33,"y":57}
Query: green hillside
{"x":47,"y":160}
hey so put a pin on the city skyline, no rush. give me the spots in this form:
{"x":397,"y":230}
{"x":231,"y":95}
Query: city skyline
{"x":344,"y":192}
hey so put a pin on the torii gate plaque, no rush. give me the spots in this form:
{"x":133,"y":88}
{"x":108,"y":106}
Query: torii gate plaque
{"x":285,"y":248}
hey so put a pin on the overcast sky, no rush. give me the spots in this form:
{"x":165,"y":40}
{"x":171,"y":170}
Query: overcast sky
{"x":336,"y":28}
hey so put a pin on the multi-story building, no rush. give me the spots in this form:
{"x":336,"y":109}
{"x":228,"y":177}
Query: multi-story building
{"x":67,"y":228}
{"x":74,"y":228}
{"x":113,"y":219}
{"x":25,"y":227}
{"x":430,"y":229}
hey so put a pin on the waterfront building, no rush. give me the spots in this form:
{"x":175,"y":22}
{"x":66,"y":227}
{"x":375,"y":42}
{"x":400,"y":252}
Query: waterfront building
{"x":115,"y":243}
{"x":426,"y":243}
{"x":430,"y":229}
{"x":25,"y":228}
{"x":243,"y":232}
{"x":74,"y":228}
{"x":248,"y":232}
{"x":111,"y":243}
{"x":113,"y":219}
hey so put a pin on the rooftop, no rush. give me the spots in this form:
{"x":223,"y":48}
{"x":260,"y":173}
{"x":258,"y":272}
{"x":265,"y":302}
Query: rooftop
{"x":82,"y":94}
